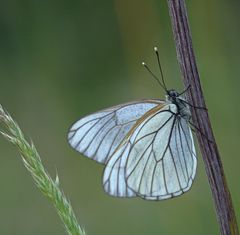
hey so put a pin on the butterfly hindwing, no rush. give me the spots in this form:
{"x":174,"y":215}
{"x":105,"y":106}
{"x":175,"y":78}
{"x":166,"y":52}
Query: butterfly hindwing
{"x":162,"y":161}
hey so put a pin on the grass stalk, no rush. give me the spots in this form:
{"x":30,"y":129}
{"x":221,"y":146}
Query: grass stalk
{"x":32,"y":161}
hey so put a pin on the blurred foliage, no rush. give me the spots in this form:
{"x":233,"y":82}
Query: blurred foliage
{"x":61,"y":60}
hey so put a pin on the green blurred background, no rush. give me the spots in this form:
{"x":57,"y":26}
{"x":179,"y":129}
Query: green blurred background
{"x":60,"y":60}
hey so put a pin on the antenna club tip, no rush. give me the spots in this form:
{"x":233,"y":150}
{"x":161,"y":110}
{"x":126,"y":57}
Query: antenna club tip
{"x":155,"y":49}
{"x":143,"y":63}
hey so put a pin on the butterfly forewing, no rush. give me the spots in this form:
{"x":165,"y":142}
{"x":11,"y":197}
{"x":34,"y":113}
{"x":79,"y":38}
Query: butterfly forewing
{"x":98,"y":135}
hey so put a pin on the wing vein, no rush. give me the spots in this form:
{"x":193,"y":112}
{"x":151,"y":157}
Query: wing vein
{"x":177,"y":148}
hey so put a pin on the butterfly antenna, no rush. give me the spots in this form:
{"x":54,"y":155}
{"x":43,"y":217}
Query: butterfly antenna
{"x":153,"y":75}
{"x":160,"y":68}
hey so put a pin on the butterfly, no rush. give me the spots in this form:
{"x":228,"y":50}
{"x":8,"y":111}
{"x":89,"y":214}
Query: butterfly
{"x":146,"y":146}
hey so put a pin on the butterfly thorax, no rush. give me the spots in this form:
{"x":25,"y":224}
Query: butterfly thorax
{"x":183,"y":108}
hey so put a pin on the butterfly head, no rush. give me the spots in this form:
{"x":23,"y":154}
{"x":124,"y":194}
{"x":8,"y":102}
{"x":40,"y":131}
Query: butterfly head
{"x":172,"y":95}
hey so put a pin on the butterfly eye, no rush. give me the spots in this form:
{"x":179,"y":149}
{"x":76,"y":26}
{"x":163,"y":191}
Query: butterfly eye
{"x":173,"y":93}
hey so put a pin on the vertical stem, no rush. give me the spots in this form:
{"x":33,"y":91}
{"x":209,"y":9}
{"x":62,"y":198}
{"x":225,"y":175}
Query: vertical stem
{"x":214,"y":169}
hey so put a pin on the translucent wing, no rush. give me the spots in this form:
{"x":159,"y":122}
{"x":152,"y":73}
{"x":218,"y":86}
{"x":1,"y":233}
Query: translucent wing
{"x":114,"y":181}
{"x":157,"y":161}
{"x":162,"y":160}
{"x":98,"y":135}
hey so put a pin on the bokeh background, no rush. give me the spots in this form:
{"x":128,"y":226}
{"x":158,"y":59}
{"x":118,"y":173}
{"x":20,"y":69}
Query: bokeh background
{"x":60,"y":60}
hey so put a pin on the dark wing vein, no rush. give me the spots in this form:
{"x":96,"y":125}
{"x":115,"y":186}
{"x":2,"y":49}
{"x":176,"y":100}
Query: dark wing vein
{"x":169,"y":151}
{"x":108,"y":122}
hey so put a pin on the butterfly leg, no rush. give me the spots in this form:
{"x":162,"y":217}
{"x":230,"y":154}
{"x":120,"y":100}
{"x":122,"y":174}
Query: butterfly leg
{"x":194,"y":128}
{"x":195,"y":107}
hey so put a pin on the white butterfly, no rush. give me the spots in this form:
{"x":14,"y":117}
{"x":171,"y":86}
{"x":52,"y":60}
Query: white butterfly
{"x":147,"y":146}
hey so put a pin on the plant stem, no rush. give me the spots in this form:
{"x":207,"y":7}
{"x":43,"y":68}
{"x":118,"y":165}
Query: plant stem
{"x":49,"y":187}
{"x":208,"y":146}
